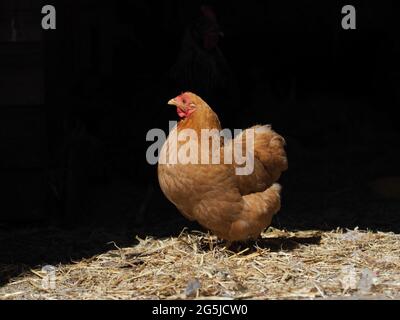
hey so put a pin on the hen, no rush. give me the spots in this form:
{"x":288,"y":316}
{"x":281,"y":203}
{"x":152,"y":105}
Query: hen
{"x":201,"y":64}
{"x":234,"y":207}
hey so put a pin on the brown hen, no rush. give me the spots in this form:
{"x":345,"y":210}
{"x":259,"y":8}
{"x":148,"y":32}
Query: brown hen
{"x":234,"y":207}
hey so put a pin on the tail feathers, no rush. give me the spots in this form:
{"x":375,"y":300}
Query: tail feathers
{"x":269,"y":149}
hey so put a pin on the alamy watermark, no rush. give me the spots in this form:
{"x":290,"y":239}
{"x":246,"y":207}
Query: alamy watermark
{"x":49,"y":18}
{"x":49,"y":280}
{"x":186,"y":146}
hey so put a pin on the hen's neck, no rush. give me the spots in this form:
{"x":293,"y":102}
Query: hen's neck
{"x":203,"y":118}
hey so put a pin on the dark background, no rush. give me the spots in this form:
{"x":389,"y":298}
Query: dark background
{"x":76,"y":104}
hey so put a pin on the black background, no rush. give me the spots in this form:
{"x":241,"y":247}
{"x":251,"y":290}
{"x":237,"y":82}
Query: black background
{"x":76,"y":104}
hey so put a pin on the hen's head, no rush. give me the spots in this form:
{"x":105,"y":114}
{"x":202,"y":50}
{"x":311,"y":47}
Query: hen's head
{"x":207,"y":28}
{"x":186,"y":103}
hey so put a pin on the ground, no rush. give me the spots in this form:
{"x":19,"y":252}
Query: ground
{"x":337,"y":264}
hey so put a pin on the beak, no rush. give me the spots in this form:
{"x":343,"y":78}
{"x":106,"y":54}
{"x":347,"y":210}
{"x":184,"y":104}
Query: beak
{"x":172,"y":102}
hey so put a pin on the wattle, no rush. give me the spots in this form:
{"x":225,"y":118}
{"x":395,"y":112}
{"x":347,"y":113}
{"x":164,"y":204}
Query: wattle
{"x":181,"y":113}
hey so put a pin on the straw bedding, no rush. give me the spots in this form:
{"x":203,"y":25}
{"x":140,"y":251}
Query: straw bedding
{"x":350,"y":264}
